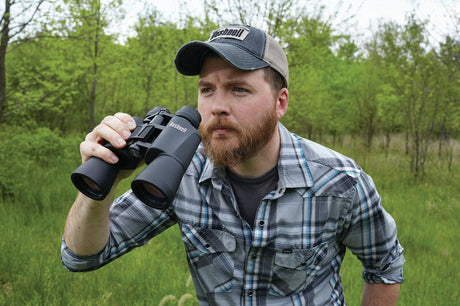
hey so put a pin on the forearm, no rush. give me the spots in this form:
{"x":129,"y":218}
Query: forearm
{"x":380,"y":294}
{"x":87,"y":228}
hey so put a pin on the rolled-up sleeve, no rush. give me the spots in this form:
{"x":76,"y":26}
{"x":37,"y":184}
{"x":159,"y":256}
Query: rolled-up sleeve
{"x":132,"y":224}
{"x":372,"y":236}
{"x":78,"y":263}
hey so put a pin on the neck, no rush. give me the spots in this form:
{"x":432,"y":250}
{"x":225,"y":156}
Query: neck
{"x":263,"y":161}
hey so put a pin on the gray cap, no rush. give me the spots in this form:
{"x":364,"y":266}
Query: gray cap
{"x":245,"y":47}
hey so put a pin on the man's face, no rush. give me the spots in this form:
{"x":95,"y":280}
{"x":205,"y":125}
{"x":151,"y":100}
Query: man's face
{"x":238,"y":110}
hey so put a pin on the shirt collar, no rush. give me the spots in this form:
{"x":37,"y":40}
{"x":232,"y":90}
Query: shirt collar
{"x":292,"y":166}
{"x":293,"y":169}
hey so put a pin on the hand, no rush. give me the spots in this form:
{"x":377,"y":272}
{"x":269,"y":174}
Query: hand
{"x":114,"y":129}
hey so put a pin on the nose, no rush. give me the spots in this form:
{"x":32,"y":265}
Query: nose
{"x":220,"y":106}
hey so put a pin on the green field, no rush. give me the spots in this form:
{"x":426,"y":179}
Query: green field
{"x":37,"y":194}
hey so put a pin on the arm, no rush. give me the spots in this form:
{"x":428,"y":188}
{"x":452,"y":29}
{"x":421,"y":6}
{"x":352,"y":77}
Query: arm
{"x":87,"y":227}
{"x":372,"y":237}
{"x":380,"y":294}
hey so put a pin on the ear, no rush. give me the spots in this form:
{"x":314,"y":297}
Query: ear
{"x":282,"y":102}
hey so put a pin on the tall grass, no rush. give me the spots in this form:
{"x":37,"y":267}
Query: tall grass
{"x":30,"y":267}
{"x":427,"y":214}
{"x":35,"y":203}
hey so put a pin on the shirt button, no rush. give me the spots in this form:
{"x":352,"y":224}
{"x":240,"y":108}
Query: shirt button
{"x":251,"y":293}
{"x":207,"y":246}
{"x":254,"y":256}
{"x":261,"y":223}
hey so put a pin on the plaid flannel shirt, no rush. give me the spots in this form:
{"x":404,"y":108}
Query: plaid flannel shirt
{"x":324,"y":204}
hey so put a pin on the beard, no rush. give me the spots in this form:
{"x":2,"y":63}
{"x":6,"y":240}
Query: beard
{"x":245,"y":141}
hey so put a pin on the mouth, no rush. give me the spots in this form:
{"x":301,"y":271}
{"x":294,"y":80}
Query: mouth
{"x":221,"y":130}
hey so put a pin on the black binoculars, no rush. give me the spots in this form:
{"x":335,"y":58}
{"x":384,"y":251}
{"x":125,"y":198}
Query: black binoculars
{"x":166,"y":142}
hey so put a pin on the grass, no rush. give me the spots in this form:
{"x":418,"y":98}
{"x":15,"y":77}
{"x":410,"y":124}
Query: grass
{"x":32,"y":220}
{"x":427,"y":214}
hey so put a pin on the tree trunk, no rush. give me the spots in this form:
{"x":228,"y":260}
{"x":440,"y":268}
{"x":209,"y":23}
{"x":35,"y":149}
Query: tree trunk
{"x":3,"y":46}
{"x":92,"y":98}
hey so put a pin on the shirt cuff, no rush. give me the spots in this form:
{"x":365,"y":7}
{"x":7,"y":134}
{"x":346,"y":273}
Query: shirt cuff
{"x":392,"y":271}
{"x":79,"y":263}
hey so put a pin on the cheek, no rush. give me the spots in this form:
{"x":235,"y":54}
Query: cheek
{"x":200,"y":106}
{"x":203,"y":111}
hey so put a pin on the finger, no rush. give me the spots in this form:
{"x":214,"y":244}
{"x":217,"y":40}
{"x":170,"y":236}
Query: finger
{"x":111,"y":132}
{"x":119,"y":123}
{"x":93,"y":149}
{"x":127,"y":119}
{"x":114,"y":129}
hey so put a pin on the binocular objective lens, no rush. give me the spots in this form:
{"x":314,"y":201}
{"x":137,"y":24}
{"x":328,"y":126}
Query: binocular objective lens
{"x":91,"y":184}
{"x":153,"y":191}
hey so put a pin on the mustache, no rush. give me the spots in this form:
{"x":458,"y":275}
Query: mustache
{"x":218,"y":123}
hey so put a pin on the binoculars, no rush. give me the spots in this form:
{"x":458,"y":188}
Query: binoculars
{"x":166,"y":142}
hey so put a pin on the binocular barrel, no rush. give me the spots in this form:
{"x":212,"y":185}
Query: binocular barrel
{"x":166,"y":142}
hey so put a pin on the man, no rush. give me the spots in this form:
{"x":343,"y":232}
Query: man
{"x":265,"y":215}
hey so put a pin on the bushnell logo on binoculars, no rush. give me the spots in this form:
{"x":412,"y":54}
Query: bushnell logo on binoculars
{"x":166,"y":142}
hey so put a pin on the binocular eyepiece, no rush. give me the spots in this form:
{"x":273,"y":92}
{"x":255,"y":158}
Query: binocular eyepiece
{"x":166,"y":142}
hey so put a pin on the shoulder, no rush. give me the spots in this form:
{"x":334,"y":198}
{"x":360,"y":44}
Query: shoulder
{"x":324,"y":171}
{"x":295,"y":147}
{"x":318,"y":154}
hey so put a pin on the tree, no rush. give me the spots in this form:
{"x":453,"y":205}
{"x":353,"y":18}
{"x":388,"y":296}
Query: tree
{"x":87,"y":25}
{"x":267,"y":15}
{"x":363,"y":86}
{"x":448,"y":90}
{"x":11,"y":27}
{"x":421,"y":106}
{"x":152,"y":54}
{"x":314,"y":105}
{"x":413,"y":71}
{"x":43,"y":84}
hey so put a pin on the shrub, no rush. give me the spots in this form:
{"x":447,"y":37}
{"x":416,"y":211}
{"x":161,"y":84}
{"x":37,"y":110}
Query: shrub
{"x":23,"y":153}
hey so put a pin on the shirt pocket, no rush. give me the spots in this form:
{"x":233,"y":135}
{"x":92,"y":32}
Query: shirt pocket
{"x":210,"y":255}
{"x":294,"y":269}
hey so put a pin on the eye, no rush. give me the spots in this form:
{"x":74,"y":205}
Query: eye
{"x":206,"y":90}
{"x":240,"y":90}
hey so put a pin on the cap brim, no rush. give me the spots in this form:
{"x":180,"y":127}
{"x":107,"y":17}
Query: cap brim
{"x":190,"y":57}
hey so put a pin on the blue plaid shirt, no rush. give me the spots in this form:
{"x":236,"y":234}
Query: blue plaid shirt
{"x":324,"y":203}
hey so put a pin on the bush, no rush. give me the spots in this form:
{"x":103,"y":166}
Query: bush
{"x":24,"y":154}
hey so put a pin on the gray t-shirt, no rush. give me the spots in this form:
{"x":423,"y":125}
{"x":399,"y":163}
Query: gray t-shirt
{"x":249,"y":191}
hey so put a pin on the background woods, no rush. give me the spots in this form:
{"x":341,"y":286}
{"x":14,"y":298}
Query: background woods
{"x":63,"y":66}
{"x":390,"y":100}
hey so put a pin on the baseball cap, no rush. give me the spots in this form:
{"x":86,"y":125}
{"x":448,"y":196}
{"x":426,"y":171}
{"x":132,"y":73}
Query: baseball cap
{"x":243,"y":46}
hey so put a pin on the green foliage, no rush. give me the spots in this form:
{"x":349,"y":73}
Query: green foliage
{"x":396,"y":83}
{"x":427,"y":215}
{"x":150,"y":51}
{"x":44,"y":84}
{"x":75,"y":72}
{"x":24,"y":153}
{"x":309,"y":53}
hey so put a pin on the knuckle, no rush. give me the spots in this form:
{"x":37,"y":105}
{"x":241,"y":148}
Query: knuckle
{"x":121,"y":115}
{"x":125,"y":118}
{"x":108,"y":118}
